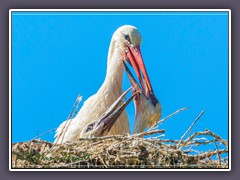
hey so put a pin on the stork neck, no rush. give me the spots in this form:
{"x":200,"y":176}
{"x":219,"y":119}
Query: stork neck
{"x":115,"y":66}
{"x":115,"y":70}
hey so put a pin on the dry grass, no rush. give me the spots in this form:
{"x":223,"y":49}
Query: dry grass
{"x":127,"y":151}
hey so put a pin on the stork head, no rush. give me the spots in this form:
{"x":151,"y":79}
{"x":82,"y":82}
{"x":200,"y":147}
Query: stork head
{"x":127,"y":35}
{"x":125,"y":45}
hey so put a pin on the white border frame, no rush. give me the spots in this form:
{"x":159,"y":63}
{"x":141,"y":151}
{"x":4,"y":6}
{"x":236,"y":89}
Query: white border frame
{"x":118,"y":10}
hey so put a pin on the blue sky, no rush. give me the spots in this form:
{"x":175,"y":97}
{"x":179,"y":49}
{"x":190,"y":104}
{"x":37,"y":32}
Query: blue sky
{"x":58,"y":55}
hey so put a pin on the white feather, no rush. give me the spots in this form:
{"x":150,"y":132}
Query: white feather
{"x":110,"y":90}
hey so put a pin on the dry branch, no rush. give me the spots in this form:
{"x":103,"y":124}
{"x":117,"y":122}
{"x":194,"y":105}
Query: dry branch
{"x":125,"y":151}
{"x":190,"y":128}
{"x":169,"y":116}
{"x":149,"y":133}
{"x":209,"y":133}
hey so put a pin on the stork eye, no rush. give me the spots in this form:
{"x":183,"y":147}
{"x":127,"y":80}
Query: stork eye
{"x":127,"y":38}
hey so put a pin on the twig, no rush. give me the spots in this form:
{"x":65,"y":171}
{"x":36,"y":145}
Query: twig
{"x":169,"y":116}
{"x":102,"y":161}
{"x":198,"y":143}
{"x":127,"y":150}
{"x":155,"y":138}
{"x":207,"y":132}
{"x":189,"y":129}
{"x":38,"y":136}
{"x":149,"y":133}
{"x":70,"y":117}
{"x":167,"y":141}
{"x":102,"y":138}
{"x":219,"y":157}
{"x":209,"y":154}
{"x":68,"y":121}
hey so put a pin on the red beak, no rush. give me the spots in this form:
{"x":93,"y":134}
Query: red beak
{"x":135,"y":57}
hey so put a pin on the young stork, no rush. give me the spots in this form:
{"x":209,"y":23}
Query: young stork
{"x":124,"y":46}
{"x":148,"y":108}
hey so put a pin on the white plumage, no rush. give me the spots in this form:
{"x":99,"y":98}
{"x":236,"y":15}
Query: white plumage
{"x":124,"y":47}
{"x":110,"y":90}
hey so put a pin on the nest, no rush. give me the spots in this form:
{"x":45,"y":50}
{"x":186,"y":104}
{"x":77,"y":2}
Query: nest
{"x":126,"y":151}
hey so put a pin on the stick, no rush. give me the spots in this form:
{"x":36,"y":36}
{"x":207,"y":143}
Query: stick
{"x":209,"y":154}
{"x":74,"y":111}
{"x":207,"y":132}
{"x":219,"y":157}
{"x":169,"y":116}
{"x":69,"y":119}
{"x":189,"y":129}
{"x":38,"y":136}
{"x":149,"y":133}
{"x":102,"y":138}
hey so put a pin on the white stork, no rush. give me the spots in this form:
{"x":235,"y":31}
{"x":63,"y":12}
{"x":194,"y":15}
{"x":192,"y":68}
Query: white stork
{"x":124,"y":47}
